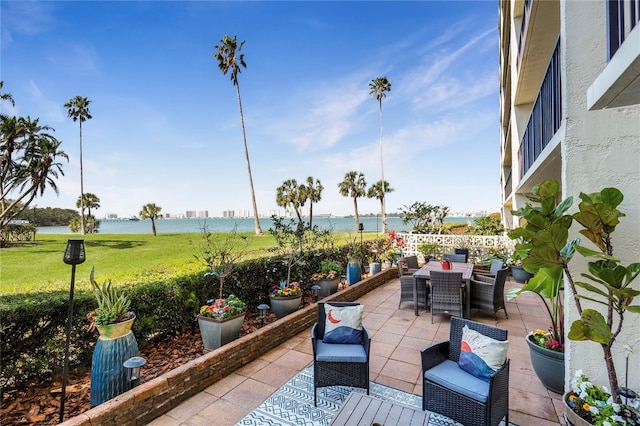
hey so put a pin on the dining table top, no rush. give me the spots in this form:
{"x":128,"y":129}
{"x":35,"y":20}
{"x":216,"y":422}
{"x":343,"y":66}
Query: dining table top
{"x":425,"y":270}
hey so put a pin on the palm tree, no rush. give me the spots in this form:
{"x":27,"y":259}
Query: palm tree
{"x":229,"y":58}
{"x":28,"y":155}
{"x":312,"y":192}
{"x":6,"y":96}
{"x":89,"y":201}
{"x":377,"y":191}
{"x":290,"y":193}
{"x":150,"y":211}
{"x":353,"y":186}
{"x":379,"y":88}
{"x":78,"y":110}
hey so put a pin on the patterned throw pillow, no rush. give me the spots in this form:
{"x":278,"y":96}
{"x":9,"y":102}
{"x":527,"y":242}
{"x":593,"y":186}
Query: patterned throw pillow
{"x":343,"y":324}
{"x":481,"y":356}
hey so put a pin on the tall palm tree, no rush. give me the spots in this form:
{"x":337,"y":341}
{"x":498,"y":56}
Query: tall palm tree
{"x":312,"y":192}
{"x":353,"y":186}
{"x":230,"y":59}
{"x":78,"y":110}
{"x":150,"y":211}
{"x":290,"y":193}
{"x":378,"y":191}
{"x":6,"y":96}
{"x":379,"y":88}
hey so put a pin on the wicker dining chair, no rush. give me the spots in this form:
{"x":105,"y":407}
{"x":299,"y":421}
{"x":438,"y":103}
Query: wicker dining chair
{"x":449,"y":390}
{"x":496,"y":265}
{"x":487,"y":293}
{"x":338,"y":364}
{"x":445,"y":295}
{"x":458,"y":258}
{"x":464,"y":251}
{"x":406,"y":288}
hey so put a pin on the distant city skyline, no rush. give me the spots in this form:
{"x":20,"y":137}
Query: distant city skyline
{"x":166,"y":128}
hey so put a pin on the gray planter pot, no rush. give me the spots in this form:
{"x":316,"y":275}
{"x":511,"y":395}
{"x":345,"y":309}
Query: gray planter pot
{"x":548,"y":365}
{"x":283,"y":306}
{"x":216,"y":333}
{"x":520,"y":275}
{"x":328,"y":287}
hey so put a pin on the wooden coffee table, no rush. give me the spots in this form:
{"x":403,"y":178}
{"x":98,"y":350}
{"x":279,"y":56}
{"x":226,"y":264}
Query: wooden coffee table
{"x":361,"y":409}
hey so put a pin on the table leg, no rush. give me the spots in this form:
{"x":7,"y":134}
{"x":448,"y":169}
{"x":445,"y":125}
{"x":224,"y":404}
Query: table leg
{"x":415,"y":295}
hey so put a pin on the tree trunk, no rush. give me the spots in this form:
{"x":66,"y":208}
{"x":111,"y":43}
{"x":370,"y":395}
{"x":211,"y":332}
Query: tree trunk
{"x":384,"y":215}
{"x":355,"y":207}
{"x":81,"y":185}
{"x":246,"y":155}
{"x":153,"y":226}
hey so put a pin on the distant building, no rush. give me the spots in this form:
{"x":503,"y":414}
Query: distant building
{"x":111,"y":216}
{"x":228,"y":214}
{"x":190,"y":214}
{"x":203,"y":214}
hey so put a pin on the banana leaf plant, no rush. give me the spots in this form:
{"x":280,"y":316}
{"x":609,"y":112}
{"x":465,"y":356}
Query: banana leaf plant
{"x":545,"y":250}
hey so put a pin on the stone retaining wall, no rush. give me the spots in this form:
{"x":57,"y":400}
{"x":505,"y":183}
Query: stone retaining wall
{"x":153,"y":398}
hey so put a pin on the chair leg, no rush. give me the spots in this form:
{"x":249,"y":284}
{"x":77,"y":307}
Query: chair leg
{"x":315,"y":396}
{"x":505,"y":312}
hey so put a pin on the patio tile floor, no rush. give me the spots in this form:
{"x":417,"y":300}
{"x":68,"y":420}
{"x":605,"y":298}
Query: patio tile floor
{"x":397,"y":336}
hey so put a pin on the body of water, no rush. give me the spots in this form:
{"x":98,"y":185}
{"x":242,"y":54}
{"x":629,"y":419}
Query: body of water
{"x":179,"y":226}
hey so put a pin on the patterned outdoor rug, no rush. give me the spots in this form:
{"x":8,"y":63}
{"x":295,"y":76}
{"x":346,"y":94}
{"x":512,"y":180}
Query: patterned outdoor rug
{"x":292,"y":404}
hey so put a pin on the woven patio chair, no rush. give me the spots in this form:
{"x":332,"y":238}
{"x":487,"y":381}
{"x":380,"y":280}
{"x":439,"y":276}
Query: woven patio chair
{"x":487,"y":294}
{"x":338,"y":364}
{"x":406,"y":288}
{"x":445,"y":296}
{"x":496,"y":265}
{"x":464,"y":251}
{"x":458,"y":258}
{"x":451,"y":391}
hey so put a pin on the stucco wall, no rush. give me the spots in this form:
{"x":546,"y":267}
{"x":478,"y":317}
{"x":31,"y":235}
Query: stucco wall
{"x":600,"y":149}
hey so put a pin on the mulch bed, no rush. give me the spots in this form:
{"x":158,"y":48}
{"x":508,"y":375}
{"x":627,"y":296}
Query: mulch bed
{"x":38,"y":402}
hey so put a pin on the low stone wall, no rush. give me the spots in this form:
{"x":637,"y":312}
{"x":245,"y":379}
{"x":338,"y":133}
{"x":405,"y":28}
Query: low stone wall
{"x":153,"y":398}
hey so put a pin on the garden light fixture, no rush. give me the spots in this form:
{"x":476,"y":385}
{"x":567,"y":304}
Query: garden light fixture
{"x":133,"y":366}
{"x":316,"y":292}
{"x":262,"y":309}
{"x":74,"y":255}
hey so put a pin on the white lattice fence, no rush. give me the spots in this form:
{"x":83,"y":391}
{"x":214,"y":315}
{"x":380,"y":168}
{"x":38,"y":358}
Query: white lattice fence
{"x":478,"y":245}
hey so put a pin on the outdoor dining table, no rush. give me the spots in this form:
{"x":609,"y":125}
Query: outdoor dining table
{"x":423,"y":274}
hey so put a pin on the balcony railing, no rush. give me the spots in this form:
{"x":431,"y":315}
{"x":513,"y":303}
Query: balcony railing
{"x":523,"y":28}
{"x":507,"y":185}
{"x":618,"y":13}
{"x":546,"y":115}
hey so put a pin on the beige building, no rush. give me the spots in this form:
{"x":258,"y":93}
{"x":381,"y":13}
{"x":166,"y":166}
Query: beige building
{"x":570,"y":111}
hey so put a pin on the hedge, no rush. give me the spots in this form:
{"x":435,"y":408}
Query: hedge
{"x":34,"y":326}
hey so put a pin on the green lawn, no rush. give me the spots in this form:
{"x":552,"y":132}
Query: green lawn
{"x":38,"y":266}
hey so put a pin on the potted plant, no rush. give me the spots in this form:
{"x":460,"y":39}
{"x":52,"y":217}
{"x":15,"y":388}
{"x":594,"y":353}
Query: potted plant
{"x":544,"y":252}
{"x":221,"y":319}
{"x":112,"y":318}
{"x":519,"y":274}
{"x":285,"y":298}
{"x":116,"y":343}
{"x":609,"y":285}
{"x":430,"y":251}
{"x":328,"y":278}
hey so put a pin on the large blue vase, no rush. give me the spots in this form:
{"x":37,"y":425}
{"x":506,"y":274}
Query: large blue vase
{"x":108,"y":375}
{"x":353,"y":273}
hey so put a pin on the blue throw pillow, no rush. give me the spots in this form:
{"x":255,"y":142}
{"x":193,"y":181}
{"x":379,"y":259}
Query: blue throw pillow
{"x":480,"y":355}
{"x":343,"y":324}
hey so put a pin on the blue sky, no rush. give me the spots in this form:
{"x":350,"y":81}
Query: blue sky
{"x":166,"y":127}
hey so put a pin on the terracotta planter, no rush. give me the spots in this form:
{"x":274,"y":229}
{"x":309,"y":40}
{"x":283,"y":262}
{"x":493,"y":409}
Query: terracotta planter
{"x":113,"y":331}
{"x":216,"y":333}
{"x":548,"y":365}
{"x":283,"y":306}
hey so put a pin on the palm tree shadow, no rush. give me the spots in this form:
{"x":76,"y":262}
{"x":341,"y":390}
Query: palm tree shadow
{"x":115,"y":244}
